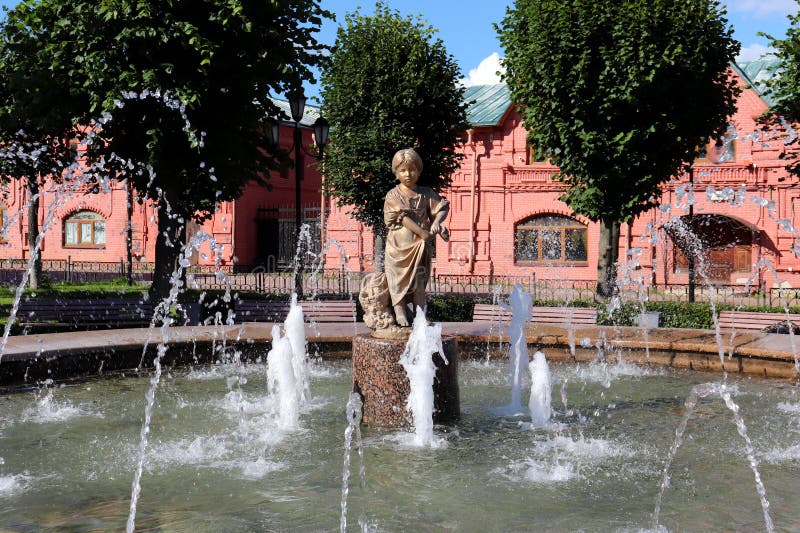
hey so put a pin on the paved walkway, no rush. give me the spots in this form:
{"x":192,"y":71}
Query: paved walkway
{"x":769,"y":355}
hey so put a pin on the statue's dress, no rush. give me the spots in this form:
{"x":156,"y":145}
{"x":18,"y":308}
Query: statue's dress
{"x":408,"y":257}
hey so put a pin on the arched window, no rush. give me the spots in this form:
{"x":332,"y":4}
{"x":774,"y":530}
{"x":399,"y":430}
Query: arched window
{"x":84,"y":229}
{"x":550,"y":239}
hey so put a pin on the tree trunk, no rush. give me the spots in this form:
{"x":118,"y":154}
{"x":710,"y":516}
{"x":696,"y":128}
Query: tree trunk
{"x":169,"y":244}
{"x":607,"y":256}
{"x":379,"y":246}
{"x":35,"y":276}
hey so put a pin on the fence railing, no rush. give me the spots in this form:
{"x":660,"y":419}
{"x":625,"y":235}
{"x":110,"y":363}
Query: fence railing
{"x":66,"y":270}
{"x":342,"y":283}
{"x":327,"y":281}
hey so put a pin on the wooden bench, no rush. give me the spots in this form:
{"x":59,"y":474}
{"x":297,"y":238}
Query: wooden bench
{"x":84,"y":313}
{"x":577,"y":316}
{"x":753,"y":321}
{"x":260,"y":311}
{"x":329,"y":310}
{"x":313,"y":311}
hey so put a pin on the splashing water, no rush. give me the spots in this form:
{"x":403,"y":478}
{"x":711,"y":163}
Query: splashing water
{"x":161,"y":313}
{"x":287,"y":368}
{"x":303,"y":248}
{"x":281,"y":380}
{"x":695,"y":247}
{"x":417,"y":360}
{"x":353,"y":411}
{"x":295,"y":329}
{"x":725,"y":392}
{"x":539,"y":403}
{"x":521,"y":305}
{"x":48,"y":409}
{"x":497,"y":290}
{"x":767,"y":265}
{"x":630,"y":275}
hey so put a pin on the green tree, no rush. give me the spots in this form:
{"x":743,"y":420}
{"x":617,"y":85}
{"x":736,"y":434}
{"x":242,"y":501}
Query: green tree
{"x":178,"y":93}
{"x":784,"y":85}
{"x":36,"y":127}
{"x":388,"y":84}
{"x":619,"y":95}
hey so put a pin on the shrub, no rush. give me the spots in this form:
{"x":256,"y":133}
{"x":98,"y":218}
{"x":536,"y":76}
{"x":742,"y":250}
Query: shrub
{"x":624,"y":315}
{"x":450,"y":308}
{"x":683,"y":314}
{"x":696,"y":315}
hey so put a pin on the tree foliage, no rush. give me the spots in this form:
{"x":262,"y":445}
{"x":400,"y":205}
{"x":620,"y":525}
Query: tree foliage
{"x":177,"y":91}
{"x":36,"y":126}
{"x":619,"y":95}
{"x":388,"y":84}
{"x":784,"y":85}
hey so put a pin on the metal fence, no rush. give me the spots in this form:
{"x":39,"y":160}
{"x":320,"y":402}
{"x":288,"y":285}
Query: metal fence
{"x":327,"y":281}
{"x":342,"y":283}
{"x":66,"y":270}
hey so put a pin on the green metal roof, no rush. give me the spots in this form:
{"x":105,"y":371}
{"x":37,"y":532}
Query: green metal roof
{"x":755,"y":73}
{"x":487,"y":104}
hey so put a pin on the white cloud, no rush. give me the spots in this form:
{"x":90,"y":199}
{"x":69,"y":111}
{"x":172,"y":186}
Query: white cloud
{"x":486,"y":73}
{"x":762,"y":8}
{"x":753,"y":52}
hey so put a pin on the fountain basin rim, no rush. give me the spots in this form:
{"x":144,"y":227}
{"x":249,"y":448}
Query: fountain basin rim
{"x":767,"y":355}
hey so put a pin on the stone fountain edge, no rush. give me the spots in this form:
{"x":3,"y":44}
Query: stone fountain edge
{"x":86,"y":353}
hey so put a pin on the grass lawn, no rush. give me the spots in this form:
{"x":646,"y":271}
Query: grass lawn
{"x":101,"y":289}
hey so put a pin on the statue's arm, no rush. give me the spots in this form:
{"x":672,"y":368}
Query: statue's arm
{"x":393,"y":212}
{"x":440,"y":209}
{"x":409,"y":224}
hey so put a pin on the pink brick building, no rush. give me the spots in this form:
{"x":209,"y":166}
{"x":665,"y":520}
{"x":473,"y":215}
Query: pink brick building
{"x":506,"y":219}
{"x":91,"y":227}
{"x":505,"y":216}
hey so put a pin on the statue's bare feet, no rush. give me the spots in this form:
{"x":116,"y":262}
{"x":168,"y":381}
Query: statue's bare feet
{"x":400,"y":316}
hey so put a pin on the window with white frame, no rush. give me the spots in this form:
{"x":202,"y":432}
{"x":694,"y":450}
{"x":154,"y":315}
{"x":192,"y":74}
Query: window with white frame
{"x":550,"y":239}
{"x":84,"y":229}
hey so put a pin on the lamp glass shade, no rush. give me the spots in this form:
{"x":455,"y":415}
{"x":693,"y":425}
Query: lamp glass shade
{"x":272,"y":131}
{"x":321,"y":129}
{"x":297,"y":106}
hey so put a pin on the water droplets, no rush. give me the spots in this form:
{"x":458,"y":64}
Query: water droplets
{"x":786,"y":225}
{"x":769,"y":205}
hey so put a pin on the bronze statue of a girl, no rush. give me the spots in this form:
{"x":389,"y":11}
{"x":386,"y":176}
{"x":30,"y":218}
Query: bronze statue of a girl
{"x":413,"y":217}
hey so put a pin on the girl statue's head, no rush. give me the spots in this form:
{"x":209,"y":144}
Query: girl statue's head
{"x":406,"y":156}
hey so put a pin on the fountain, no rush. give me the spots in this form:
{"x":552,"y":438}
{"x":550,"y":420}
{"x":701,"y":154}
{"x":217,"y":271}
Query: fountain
{"x":68,"y":461}
{"x":392,"y":366}
{"x":539,"y":403}
{"x":254,"y":444}
{"x":417,"y":359}
{"x":520,"y":304}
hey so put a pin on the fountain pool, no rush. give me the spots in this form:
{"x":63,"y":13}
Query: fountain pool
{"x":218,"y":460}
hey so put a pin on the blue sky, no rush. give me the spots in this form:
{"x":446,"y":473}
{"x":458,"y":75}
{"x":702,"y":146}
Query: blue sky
{"x":466,"y":28}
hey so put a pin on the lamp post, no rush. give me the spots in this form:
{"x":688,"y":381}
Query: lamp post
{"x":297,"y":105}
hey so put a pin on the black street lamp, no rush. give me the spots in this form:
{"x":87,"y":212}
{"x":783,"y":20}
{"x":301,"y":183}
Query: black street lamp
{"x":297,"y":105}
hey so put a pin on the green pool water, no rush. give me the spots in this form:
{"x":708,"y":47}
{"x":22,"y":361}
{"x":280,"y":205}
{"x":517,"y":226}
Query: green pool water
{"x":217,"y":461}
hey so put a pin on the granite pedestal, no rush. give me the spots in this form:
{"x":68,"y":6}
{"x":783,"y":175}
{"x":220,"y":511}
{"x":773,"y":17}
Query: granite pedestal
{"x":383,"y":384}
